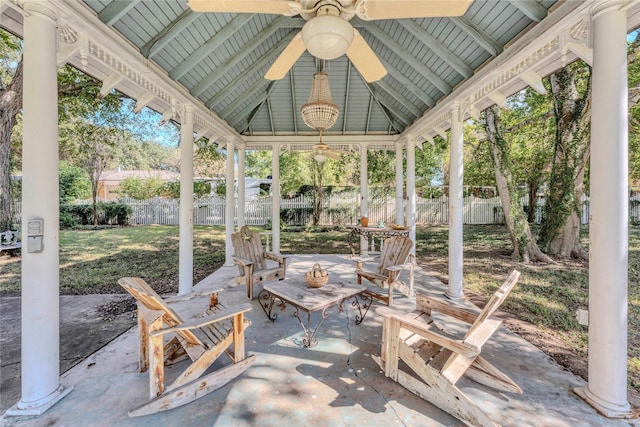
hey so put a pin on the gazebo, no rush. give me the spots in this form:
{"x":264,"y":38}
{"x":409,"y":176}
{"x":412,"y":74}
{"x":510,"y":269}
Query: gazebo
{"x":206,"y":72}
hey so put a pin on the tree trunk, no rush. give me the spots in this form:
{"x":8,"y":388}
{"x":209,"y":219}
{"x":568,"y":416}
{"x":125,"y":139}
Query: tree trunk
{"x":560,"y":232}
{"x":10,"y":105}
{"x":524,"y":246}
{"x":533,"y":201}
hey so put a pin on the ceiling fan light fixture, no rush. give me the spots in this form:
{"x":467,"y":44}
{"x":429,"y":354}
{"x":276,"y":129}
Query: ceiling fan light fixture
{"x":327,"y":36}
{"x":320,"y":158}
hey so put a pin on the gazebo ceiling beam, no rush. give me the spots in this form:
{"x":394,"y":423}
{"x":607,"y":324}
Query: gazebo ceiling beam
{"x":168,"y":33}
{"x":264,"y":60}
{"x":435,"y":46}
{"x":116,"y":10}
{"x":346,"y":98}
{"x":388,"y":108}
{"x":251,"y":91}
{"x":253,"y":104}
{"x":400,"y":51}
{"x":293,"y":100}
{"x":532,"y":9}
{"x":478,"y":34}
{"x":408,"y":83}
{"x":238,"y":56}
{"x":409,"y":105}
{"x":210,"y":45}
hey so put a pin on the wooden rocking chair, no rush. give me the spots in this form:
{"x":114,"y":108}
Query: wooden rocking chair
{"x":202,"y":340}
{"x":439,"y":360}
{"x":393,"y":259}
{"x":251,"y":260}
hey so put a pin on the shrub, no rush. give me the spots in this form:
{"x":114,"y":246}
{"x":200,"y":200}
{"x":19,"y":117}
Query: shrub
{"x":109,"y":213}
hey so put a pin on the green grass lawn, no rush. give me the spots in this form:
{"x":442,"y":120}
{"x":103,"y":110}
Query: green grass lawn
{"x":547,"y":296}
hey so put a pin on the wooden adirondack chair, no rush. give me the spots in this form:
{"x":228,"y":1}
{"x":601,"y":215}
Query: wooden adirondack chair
{"x":440,"y":360}
{"x":202,"y":340}
{"x":251,"y":260}
{"x":393,"y":259}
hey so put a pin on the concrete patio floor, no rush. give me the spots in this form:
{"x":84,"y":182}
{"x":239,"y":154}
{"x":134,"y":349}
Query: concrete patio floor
{"x":335,"y":383}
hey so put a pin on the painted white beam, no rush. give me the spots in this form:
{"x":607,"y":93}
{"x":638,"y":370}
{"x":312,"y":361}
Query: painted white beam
{"x":582,"y":51}
{"x":440,"y":132}
{"x":499,"y":98}
{"x":534,"y":80}
{"x":166,"y":116}
{"x":144,"y":100}
{"x":110,"y":83}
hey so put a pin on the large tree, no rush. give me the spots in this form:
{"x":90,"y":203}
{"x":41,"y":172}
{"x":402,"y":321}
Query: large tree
{"x":10,"y":106}
{"x":560,"y":232}
{"x":524,"y":245}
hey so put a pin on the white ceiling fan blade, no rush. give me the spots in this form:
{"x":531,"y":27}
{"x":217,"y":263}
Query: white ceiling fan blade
{"x":332,"y":155}
{"x":393,"y":9}
{"x":287,"y":58}
{"x":279,"y":7}
{"x":365,"y":59}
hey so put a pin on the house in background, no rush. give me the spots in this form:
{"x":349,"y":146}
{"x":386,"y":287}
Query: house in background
{"x":110,"y":180}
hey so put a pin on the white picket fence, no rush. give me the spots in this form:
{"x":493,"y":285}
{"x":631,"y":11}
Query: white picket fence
{"x":338,"y":209}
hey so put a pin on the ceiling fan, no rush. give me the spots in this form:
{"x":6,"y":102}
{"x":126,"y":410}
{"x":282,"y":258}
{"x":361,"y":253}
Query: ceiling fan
{"x":327,"y":33}
{"x":322,"y":151}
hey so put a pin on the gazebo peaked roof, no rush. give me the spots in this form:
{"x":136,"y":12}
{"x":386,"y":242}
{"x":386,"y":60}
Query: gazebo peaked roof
{"x":206,"y":71}
{"x":163,"y":54}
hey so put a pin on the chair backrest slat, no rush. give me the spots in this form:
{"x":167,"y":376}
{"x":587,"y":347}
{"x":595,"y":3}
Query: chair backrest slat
{"x":395,"y":251}
{"x":495,"y":301}
{"x":248,"y":245}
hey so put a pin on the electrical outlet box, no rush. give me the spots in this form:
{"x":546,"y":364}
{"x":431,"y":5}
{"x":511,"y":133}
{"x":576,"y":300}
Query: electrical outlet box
{"x":35,"y":235}
{"x":582,"y":316}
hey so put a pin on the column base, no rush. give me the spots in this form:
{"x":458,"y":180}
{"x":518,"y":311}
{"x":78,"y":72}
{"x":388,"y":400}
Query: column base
{"x":38,"y":407}
{"x":454,"y":297}
{"x":605,"y":408}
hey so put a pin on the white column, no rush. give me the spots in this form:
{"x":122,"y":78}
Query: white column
{"x":185,"y":259}
{"x":456,"y":176}
{"x":229,"y":219}
{"x":608,"y":216}
{"x":399,"y":186}
{"x":364,"y":194}
{"x":275,"y":197}
{"x":411,"y":191}
{"x":241,"y":184}
{"x":40,"y":217}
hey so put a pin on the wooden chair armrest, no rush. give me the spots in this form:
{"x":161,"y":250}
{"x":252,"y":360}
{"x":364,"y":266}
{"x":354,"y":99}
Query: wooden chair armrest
{"x":275,"y":257}
{"x":428,"y":304}
{"x":206,"y":320}
{"x":361,"y":259}
{"x":241,"y":261}
{"x":431,"y":334}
